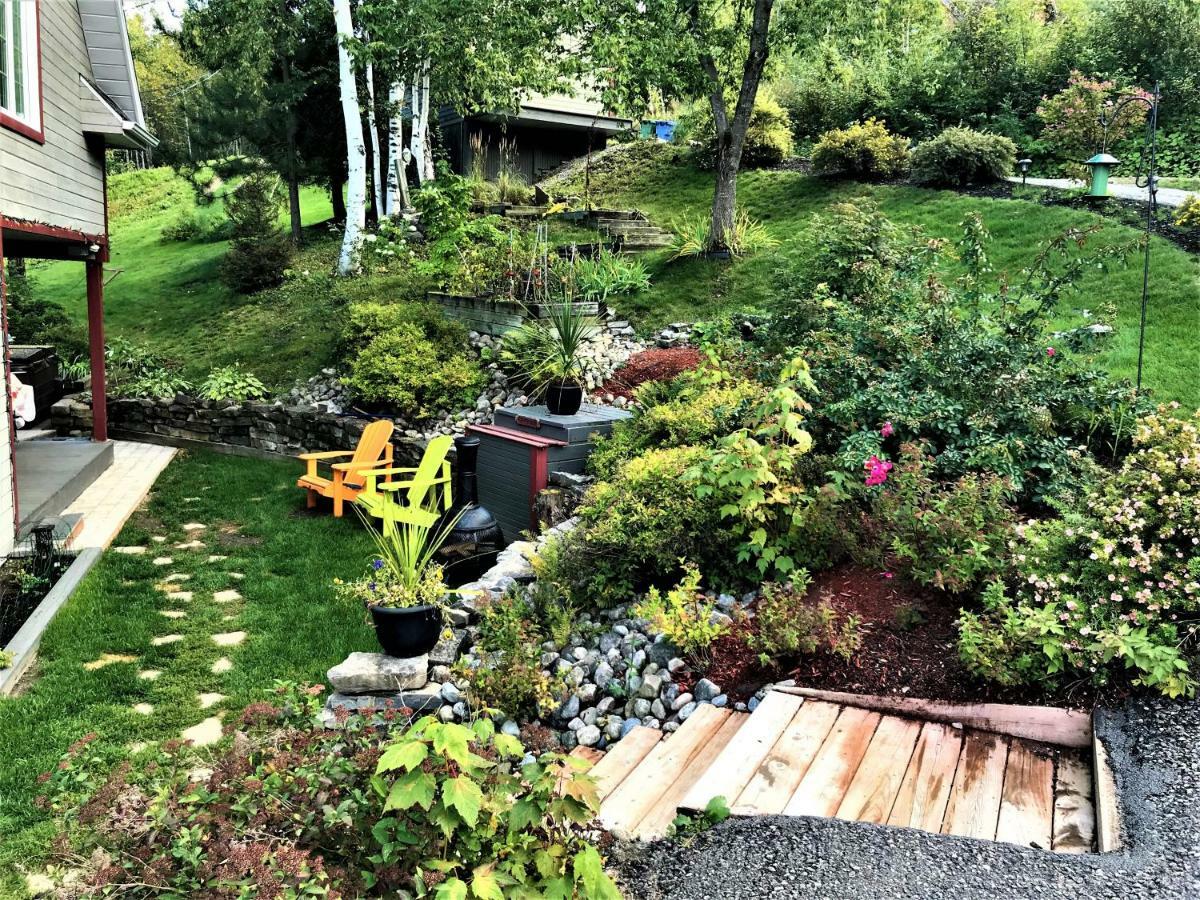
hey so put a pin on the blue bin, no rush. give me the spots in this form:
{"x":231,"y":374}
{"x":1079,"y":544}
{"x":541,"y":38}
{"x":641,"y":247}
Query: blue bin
{"x":664,"y":130}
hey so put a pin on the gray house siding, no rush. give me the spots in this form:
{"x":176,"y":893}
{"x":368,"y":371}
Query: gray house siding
{"x":60,"y":182}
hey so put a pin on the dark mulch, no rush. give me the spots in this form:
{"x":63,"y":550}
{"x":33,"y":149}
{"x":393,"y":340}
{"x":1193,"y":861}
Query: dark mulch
{"x":900,"y":654}
{"x":650,"y":365}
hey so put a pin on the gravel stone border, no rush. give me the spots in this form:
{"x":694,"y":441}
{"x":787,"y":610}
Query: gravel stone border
{"x":1154,"y":746}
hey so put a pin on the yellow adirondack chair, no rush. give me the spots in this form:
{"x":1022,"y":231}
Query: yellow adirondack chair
{"x":418,"y":499}
{"x":347,"y":479}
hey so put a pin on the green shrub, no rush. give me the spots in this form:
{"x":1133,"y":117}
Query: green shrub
{"x":788,"y":623}
{"x":888,"y":341}
{"x":951,"y":535}
{"x":609,"y":274}
{"x":637,"y":526}
{"x":863,"y":150}
{"x":768,"y":136}
{"x":684,"y":615}
{"x":511,"y":679}
{"x":962,"y":156}
{"x":232,"y":383}
{"x":402,"y":369}
{"x":1188,"y":213}
{"x":259,"y":250}
{"x":136,"y":371}
{"x":35,"y":319}
{"x":443,"y":204}
{"x":1113,"y":585}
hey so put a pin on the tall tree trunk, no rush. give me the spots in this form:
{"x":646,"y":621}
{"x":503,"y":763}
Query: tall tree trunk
{"x":293,"y":175}
{"x":397,"y":177}
{"x":731,"y":132}
{"x":379,"y":164}
{"x":356,"y":151}
{"x":421,"y":151}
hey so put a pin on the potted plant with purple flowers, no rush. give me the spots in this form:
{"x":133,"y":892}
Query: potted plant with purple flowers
{"x":404,"y":589}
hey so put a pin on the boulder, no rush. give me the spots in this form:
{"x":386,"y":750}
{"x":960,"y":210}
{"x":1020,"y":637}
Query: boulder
{"x":364,"y":673}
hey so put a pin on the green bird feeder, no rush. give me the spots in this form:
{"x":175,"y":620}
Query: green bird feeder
{"x":1100,"y":164}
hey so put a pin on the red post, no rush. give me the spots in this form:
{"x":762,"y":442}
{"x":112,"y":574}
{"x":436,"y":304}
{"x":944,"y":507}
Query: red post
{"x":95,"y":306}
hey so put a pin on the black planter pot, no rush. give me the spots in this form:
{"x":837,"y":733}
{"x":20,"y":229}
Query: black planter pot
{"x":407,"y":632}
{"x":564,"y":399}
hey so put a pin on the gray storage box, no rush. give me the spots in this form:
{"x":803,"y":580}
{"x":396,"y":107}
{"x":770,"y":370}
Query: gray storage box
{"x":522,"y":447}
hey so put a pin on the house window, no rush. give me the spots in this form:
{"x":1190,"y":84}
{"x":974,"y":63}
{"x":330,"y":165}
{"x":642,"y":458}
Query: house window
{"x":20,"y":80}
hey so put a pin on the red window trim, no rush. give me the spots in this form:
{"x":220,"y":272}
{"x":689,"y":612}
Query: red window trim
{"x":37,"y":135}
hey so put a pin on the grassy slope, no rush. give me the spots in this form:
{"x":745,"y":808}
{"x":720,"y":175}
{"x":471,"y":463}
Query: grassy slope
{"x":785,"y":202}
{"x":170,"y":296}
{"x":296,"y":629}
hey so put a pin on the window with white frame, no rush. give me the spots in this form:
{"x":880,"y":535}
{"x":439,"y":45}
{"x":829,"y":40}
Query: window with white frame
{"x":20,"y":80}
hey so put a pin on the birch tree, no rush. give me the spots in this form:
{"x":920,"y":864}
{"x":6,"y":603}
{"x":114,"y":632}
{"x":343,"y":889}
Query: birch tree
{"x":372,"y":127}
{"x":356,"y":151}
{"x":397,"y":177}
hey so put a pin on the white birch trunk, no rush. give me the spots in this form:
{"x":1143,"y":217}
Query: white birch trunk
{"x":397,"y":178}
{"x":356,"y":151}
{"x":421,"y":151}
{"x":380,"y":162}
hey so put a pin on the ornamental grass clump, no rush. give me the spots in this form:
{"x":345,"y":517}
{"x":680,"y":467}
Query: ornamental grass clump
{"x":1111,"y":589}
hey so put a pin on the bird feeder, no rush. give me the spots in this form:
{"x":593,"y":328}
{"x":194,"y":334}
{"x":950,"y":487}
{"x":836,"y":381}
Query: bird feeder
{"x":1100,"y":164}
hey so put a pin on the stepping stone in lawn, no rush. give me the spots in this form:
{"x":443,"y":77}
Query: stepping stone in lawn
{"x":159,"y":539}
{"x":229,"y":638}
{"x":226,"y":596}
{"x":130,"y":551}
{"x":208,"y":700}
{"x":107,"y":659}
{"x":190,"y":545}
{"x":229,"y":618}
{"x":181,"y":596}
{"x":163,"y":560}
{"x":144,"y":709}
{"x":177,"y":576}
{"x":149,"y":674}
{"x":217,"y":558}
{"x":138,"y":746}
{"x":173,"y":613}
{"x":166,"y":639}
{"x":194,"y":526}
{"x":222,"y":665}
{"x":236,"y":576}
{"x":207,"y":732}
{"x":191,"y":499}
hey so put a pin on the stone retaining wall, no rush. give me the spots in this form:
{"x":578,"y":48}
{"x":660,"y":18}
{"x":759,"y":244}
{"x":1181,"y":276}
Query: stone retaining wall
{"x":496,"y":315}
{"x":250,"y":429}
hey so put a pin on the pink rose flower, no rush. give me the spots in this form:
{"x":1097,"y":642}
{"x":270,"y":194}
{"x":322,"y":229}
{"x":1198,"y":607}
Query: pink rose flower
{"x":877,"y":471}
{"x":1050,"y":351}
{"x":887,"y":430}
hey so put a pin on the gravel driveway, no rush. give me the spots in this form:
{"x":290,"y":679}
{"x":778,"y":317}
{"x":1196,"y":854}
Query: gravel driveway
{"x":1155,"y":751}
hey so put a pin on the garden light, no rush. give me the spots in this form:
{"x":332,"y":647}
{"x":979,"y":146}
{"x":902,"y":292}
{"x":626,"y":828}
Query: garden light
{"x":1100,"y":165}
{"x":1023,"y":165}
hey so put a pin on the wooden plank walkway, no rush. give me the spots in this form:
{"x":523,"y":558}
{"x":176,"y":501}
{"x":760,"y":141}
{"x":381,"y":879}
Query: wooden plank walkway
{"x":806,"y":757}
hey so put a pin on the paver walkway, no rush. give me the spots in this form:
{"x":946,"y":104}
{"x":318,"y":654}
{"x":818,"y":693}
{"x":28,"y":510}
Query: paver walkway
{"x":1166,"y":196}
{"x":803,"y":757}
{"x":111,"y":499}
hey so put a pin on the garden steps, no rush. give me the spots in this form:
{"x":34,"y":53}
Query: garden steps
{"x":798,"y":755}
{"x":634,"y":233}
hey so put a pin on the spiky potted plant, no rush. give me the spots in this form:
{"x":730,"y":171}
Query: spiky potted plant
{"x":404,"y":589}
{"x":547,"y":353}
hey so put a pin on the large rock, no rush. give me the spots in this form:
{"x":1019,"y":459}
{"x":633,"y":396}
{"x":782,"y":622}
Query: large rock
{"x":365,"y":673}
{"x":449,"y":648}
{"x":424,"y":699}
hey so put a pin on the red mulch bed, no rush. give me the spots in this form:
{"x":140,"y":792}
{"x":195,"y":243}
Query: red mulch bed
{"x":918,"y":661}
{"x":650,"y":365}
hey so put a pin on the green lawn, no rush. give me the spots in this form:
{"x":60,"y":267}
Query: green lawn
{"x":295,"y":628}
{"x":170,"y":295}
{"x":786,"y":202}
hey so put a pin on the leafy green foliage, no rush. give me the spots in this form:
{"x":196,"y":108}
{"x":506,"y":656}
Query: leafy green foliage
{"x":610,"y":274}
{"x":864,"y":150}
{"x":404,"y":572}
{"x":469,"y":820}
{"x":136,"y":371}
{"x":787,"y":623}
{"x":951,"y":535}
{"x":746,"y":237}
{"x":409,"y":357}
{"x":259,"y":251}
{"x":684,"y":615}
{"x":768,"y":137}
{"x":34,"y":318}
{"x":686,"y":825}
{"x":1188,"y":214}
{"x":961,"y":156}
{"x":512,"y":681}
{"x":1114,"y":584}
{"x":232,"y":383}
{"x":888,"y":341}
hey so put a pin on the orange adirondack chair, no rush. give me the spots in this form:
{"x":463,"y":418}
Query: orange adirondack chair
{"x":346,"y":482}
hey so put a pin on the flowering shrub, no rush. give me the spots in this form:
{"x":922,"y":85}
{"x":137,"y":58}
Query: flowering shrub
{"x":293,"y":810}
{"x":963,"y":366}
{"x":1188,"y":214}
{"x":949,"y":535}
{"x":1071,"y":118}
{"x":1113,"y":584}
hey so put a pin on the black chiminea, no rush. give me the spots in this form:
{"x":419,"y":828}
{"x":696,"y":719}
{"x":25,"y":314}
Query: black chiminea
{"x":476,"y":540}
